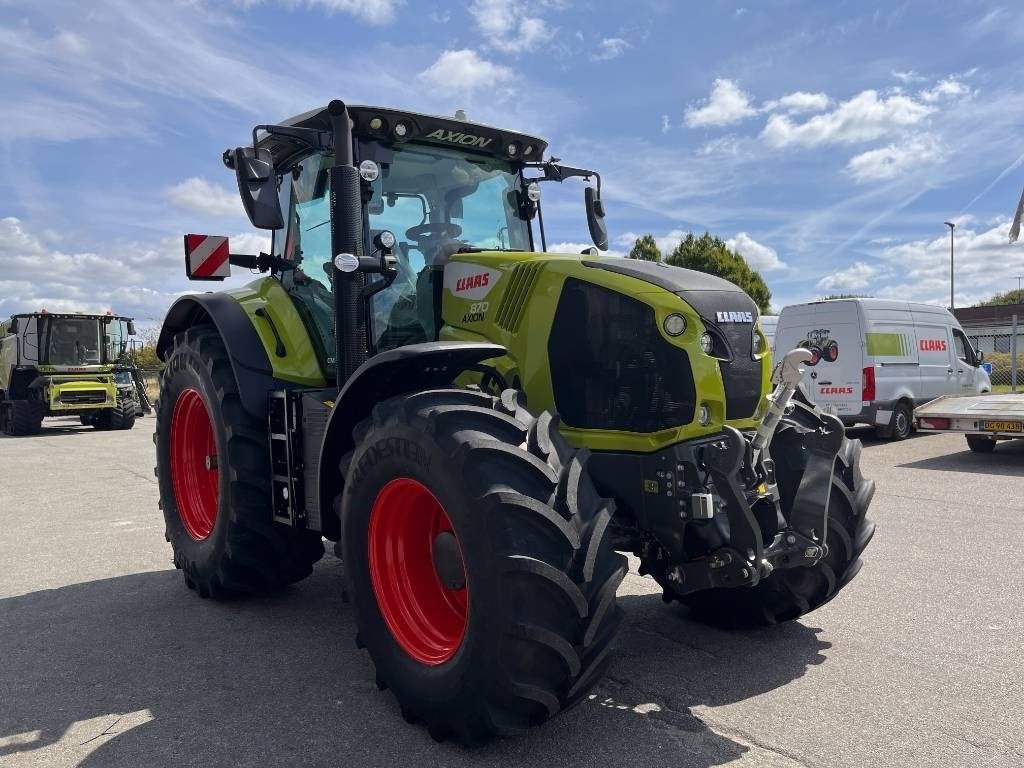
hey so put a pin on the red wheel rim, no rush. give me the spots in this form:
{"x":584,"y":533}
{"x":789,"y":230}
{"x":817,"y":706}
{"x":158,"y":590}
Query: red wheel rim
{"x":194,"y":472}
{"x":427,"y":619}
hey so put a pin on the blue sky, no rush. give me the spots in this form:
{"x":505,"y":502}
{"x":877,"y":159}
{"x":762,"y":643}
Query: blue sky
{"x":827,"y":142}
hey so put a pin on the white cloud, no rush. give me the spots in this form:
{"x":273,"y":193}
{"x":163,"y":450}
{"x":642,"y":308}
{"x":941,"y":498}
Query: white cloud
{"x":666,"y":243}
{"x":464,"y":71}
{"x":610,"y":48}
{"x":910,"y":76}
{"x":761,"y":257}
{"x":949,"y":88}
{"x":985,"y":262}
{"x":854,"y":278}
{"x":507,"y":26}
{"x":665,"y":124}
{"x":725,"y":105}
{"x":895,"y":159}
{"x":120,"y":278}
{"x":577,"y":248}
{"x":370,"y":11}
{"x":798,"y":102}
{"x":202,"y":196}
{"x":862,"y":118}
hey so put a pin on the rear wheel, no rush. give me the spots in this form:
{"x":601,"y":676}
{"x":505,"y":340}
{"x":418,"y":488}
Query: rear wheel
{"x":789,"y":593}
{"x":480,"y":560}
{"x":24,"y":417}
{"x":981,"y":444}
{"x":213,"y":469}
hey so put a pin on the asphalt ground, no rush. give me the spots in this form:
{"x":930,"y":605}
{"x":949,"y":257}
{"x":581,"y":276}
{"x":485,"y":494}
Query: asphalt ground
{"x":106,"y":659}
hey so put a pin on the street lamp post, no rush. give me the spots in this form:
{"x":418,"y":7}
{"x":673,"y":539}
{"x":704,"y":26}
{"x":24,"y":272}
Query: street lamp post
{"x":951,"y":226}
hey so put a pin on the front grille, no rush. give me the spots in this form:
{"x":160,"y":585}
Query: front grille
{"x":741,"y":375}
{"x":83,"y":397}
{"x":611,"y":368}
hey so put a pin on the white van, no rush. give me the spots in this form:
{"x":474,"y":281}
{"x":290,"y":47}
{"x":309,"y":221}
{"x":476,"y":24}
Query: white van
{"x":875,"y":360}
{"x":768,"y":325}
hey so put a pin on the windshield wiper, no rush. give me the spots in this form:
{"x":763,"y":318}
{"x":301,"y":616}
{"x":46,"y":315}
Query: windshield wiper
{"x":479,"y":249}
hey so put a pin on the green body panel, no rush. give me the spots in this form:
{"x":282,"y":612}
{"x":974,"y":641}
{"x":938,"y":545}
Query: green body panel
{"x":887,"y":344}
{"x":526,"y":340}
{"x":57,"y":387}
{"x":300,"y":365}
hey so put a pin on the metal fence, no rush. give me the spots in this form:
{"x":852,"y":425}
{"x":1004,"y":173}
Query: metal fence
{"x":1004,"y":355}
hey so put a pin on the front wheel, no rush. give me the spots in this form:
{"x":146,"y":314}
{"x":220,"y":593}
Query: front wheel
{"x":213,"y":470}
{"x":481,"y":562}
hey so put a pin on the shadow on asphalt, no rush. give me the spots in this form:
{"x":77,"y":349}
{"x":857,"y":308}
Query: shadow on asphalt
{"x":276,"y":680}
{"x":1007,"y":459}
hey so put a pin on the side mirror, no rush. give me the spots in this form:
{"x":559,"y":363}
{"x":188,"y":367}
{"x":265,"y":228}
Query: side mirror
{"x":257,"y":186}
{"x":13,"y":327}
{"x":979,"y":355}
{"x":595,"y":218}
{"x":131,"y":327}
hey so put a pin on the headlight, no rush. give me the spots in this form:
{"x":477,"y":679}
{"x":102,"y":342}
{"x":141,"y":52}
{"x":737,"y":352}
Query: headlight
{"x":755,"y":342}
{"x":369,"y":170}
{"x":707,"y":344}
{"x":704,"y":415}
{"x":674,"y":324}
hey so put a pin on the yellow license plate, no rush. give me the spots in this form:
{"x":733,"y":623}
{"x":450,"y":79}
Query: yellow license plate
{"x":1002,"y":426}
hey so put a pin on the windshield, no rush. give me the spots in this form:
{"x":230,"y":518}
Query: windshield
{"x":72,"y":341}
{"x":437,"y":201}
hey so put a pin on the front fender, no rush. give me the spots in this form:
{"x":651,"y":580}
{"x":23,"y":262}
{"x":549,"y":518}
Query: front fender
{"x":394,"y":372}
{"x":249,"y":360}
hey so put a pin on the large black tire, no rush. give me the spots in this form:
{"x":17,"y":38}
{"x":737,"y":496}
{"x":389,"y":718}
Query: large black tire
{"x":243,"y":550}
{"x":24,"y":417}
{"x":539,"y":567}
{"x":981,"y":444}
{"x":121,"y":416}
{"x":789,"y":593}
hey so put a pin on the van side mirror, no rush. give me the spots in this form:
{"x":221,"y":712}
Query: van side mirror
{"x":979,"y":355}
{"x":13,"y":327}
{"x":257,"y":186}
{"x":595,"y":218}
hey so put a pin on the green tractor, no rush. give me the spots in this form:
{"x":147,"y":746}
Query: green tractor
{"x":64,"y":364}
{"x":482,"y":427}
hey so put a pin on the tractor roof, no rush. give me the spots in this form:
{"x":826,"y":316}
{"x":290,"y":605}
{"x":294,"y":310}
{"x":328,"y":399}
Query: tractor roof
{"x":380,"y":123}
{"x":74,"y":315}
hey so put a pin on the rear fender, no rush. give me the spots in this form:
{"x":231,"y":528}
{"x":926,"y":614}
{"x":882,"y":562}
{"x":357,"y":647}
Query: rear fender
{"x":249,"y":359}
{"x":406,"y":369}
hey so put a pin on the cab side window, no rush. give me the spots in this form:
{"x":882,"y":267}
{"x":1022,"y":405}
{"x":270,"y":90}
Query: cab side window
{"x":963,"y":347}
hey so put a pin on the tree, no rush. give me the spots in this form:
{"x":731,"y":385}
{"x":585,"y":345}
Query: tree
{"x":710,"y":254}
{"x":645,"y":249}
{"x":1010,"y":297}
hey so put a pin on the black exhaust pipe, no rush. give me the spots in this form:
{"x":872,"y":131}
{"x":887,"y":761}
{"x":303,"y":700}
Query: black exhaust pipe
{"x":350,"y":337}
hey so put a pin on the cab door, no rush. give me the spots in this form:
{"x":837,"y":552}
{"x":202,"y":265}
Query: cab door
{"x":935,"y":351}
{"x":965,"y":369}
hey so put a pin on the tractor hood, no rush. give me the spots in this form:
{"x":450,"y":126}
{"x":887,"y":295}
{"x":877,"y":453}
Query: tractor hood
{"x":716,"y":300}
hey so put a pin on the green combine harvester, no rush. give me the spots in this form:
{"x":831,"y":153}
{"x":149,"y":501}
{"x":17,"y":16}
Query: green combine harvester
{"x":481,"y":426}
{"x":66,"y":364}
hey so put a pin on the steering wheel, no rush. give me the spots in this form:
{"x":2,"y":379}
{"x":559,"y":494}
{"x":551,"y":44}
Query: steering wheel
{"x":432,"y":230}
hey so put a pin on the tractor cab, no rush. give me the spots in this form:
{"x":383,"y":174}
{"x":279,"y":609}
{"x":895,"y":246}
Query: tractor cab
{"x":429,"y":188}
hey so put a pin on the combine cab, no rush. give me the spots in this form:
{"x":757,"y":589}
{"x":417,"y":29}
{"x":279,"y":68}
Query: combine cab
{"x":57,"y":364}
{"x":481,"y":426}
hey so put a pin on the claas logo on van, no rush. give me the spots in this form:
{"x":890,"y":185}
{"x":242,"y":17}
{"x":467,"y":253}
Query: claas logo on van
{"x":836,"y":390}
{"x":932,"y":345}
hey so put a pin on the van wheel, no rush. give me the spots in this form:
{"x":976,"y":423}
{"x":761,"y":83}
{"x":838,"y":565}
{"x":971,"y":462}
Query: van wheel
{"x":980,"y":444}
{"x":902,"y":421}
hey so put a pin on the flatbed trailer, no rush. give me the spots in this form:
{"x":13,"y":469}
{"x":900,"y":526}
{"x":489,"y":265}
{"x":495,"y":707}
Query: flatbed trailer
{"x":982,"y":419}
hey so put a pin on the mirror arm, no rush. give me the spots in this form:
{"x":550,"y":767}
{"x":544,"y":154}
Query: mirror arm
{"x":264,"y":262}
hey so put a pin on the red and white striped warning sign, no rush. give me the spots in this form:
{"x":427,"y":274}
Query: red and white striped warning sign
{"x":206,"y":257}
